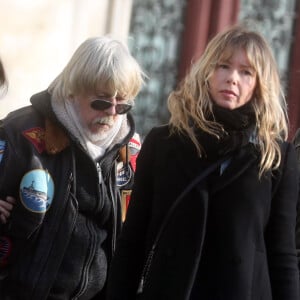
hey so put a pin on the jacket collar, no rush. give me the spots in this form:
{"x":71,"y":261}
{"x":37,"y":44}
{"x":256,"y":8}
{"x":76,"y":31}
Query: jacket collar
{"x":56,"y":136}
{"x":192,"y":165}
{"x":56,"y":139}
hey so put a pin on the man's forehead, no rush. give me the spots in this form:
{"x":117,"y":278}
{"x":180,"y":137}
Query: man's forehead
{"x":106,"y":93}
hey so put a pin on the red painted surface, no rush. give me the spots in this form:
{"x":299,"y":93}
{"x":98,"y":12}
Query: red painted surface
{"x":203,"y":19}
{"x":293,"y":95}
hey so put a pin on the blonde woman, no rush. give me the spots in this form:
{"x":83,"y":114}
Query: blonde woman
{"x":213,"y":210}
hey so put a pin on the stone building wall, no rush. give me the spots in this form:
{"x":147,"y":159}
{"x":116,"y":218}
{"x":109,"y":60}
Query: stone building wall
{"x":37,"y":38}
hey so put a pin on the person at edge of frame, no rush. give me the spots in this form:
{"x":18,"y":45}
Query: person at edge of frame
{"x":3,"y":79}
{"x":230,"y":236}
{"x":5,"y":206}
{"x":65,"y":160}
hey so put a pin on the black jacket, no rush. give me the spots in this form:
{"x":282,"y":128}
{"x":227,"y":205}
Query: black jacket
{"x":241,"y":238}
{"x":64,"y":224}
{"x":296,"y":142}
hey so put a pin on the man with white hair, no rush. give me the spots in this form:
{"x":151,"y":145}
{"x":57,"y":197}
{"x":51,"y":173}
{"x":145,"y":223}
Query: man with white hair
{"x":65,"y":159}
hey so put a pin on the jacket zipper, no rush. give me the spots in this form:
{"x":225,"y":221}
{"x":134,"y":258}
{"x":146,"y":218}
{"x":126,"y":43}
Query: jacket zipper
{"x":83,"y":282}
{"x":112,"y":196}
{"x":85,"y":277}
{"x":114,"y":216}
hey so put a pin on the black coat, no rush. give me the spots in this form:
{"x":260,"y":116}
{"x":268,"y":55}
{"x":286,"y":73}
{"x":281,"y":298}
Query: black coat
{"x":242,"y":238}
{"x":69,"y":244}
{"x":296,"y":142}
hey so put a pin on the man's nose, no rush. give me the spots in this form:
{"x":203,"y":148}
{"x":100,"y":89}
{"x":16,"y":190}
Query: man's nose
{"x":112,"y":110}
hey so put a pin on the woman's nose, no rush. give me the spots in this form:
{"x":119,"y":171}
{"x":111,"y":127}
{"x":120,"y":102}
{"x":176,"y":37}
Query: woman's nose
{"x":232,"y":77}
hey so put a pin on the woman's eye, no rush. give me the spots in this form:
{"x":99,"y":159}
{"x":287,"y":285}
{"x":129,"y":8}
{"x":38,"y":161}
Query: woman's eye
{"x":247,"y":72}
{"x":223,"y":66}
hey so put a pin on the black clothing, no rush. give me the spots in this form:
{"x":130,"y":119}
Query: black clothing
{"x":61,"y":251}
{"x":296,"y":142}
{"x":241,"y":238}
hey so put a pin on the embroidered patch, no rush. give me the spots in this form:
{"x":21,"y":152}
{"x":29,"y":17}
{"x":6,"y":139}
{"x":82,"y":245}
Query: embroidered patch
{"x":124,"y":174}
{"x":37,"y":137}
{"x":37,"y":190}
{"x":2,"y":148}
{"x":125,"y":198}
{"x":134,"y":148}
{"x":5,"y":250}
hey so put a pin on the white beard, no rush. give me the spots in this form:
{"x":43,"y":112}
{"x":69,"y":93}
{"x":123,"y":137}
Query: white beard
{"x":94,"y":143}
{"x":101,"y":135}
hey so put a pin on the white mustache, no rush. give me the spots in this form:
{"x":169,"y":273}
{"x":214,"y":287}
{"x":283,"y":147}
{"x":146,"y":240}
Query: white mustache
{"x":104,"y":120}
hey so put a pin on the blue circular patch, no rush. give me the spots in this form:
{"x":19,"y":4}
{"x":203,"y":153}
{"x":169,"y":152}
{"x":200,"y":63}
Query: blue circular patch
{"x":123,"y":175}
{"x":37,"y":190}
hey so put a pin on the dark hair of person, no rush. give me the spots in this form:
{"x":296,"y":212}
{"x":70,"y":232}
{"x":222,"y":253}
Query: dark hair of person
{"x":3,"y":79}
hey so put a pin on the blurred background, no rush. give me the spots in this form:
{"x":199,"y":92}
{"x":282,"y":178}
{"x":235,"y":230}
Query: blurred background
{"x":37,"y":38}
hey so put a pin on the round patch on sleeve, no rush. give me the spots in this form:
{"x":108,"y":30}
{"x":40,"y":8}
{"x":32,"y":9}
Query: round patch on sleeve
{"x":37,"y":190}
{"x":2,"y":148}
{"x":124,"y":174}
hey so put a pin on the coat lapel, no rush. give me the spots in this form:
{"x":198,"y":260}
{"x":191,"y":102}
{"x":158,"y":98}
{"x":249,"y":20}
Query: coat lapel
{"x":190,"y":165}
{"x":187,"y":159}
{"x":239,"y":163}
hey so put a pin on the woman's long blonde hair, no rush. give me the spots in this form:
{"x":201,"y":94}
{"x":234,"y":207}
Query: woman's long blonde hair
{"x":191,"y":101}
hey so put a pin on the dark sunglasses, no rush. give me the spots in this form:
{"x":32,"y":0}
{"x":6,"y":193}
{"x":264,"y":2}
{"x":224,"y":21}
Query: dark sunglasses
{"x":103,"y":104}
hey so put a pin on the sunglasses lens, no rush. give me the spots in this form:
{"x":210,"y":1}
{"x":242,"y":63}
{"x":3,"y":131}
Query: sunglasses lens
{"x":123,"y":108}
{"x":100,"y":104}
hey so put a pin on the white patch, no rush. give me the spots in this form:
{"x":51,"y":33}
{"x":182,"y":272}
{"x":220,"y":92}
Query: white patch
{"x":37,"y":190}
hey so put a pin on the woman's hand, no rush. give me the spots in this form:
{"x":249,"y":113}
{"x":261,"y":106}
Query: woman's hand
{"x":6,"y":207}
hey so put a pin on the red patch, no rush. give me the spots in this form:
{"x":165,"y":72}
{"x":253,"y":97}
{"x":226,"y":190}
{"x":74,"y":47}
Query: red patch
{"x":37,"y":137}
{"x":134,"y":148}
{"x":125,"y":198}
